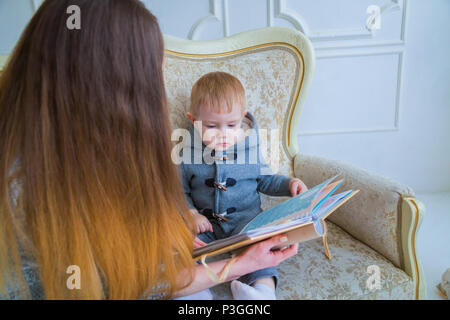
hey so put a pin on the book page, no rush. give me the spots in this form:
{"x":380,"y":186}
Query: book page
{"x":325,"y":192}
{"x":292,"y":209}
{"x":268,"y":229}
{"x":328,"y":204}
{"x":340,"y":200}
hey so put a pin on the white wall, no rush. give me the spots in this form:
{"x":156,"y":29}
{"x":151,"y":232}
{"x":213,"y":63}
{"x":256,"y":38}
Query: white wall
{"x":378,"y":100}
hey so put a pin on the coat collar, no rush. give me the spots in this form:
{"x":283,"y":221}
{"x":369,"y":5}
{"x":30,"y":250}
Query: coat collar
{"x":246,"y":146}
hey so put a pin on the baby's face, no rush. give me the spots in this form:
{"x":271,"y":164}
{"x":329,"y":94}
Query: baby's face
{"x":220,"y":130}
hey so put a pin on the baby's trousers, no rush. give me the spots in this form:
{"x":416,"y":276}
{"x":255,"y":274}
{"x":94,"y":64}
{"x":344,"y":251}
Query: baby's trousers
{"x":250,"y":277}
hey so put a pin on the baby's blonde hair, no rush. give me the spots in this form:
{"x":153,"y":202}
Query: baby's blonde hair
{"x":218,"y":91}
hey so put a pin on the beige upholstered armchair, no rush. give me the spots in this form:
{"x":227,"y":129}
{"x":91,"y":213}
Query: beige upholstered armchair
{"x":378,"y":227}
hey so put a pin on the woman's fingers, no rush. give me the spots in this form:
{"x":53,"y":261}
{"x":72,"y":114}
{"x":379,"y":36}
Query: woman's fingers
{"x":260,"y":255}
{"x":284,"y":253}
{"x":288,"y":252}
{"x":274,"y":241}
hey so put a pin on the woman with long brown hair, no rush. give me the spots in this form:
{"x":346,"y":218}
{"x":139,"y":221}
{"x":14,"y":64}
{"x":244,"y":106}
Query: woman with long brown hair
{"x":86,"y":177}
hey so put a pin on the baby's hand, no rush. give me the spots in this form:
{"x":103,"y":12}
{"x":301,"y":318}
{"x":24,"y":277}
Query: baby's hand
{"x":198,"y":243}
{"x":201,"y":222}
{"x":296,"y":186}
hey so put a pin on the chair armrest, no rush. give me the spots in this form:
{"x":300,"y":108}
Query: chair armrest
{"x":385,"y":215}
{"x":373,"y":216}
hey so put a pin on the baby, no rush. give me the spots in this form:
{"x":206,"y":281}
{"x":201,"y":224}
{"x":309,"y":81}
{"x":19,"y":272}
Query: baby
{"x":224,"y":174}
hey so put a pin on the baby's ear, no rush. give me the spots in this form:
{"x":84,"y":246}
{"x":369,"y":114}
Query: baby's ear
{"x":190,"y":117}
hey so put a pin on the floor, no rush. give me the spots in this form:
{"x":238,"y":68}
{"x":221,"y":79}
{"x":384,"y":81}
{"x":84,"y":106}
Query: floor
{"x":433,"y":240}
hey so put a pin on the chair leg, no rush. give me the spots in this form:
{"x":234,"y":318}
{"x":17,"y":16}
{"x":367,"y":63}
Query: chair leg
{"x":324,"y":237}
{"x":325,"y":246}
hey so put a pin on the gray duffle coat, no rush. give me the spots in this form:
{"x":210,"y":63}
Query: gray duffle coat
{"x":225,"y":186}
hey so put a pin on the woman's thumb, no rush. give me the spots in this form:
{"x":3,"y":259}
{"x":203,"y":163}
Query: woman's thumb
{"x":279,"y":239}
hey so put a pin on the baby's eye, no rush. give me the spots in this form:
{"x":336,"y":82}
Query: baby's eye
{"x":210,"y":126}
{"x":231,"y":125}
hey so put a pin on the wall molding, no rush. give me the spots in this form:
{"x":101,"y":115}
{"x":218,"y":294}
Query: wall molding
{"x":218,"y":11}
{"x":281,"y":11}
{"x":360,"y":37}
{"x":352,"y":43}
{"x":370,"y":43}
{"x":328,"y":43}
{"x":359,"y":51}
{"x":347,"y":131}
{"x":278,"y":9}
{"x":396,"y":120}
{"x":322,"y":39}
{"x":325,"y":39}
{"x":35,"y":4}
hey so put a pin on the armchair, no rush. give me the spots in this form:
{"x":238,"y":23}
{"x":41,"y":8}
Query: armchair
{"x":378,"y":227}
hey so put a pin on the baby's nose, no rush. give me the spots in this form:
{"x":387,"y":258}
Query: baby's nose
{"x":222,"y":132}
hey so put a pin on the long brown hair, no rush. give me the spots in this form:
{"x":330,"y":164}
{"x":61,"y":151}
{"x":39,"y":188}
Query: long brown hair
{"x":84,"y":129}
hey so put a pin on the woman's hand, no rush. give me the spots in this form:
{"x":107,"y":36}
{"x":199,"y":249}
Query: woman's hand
{"x":296,"y":186}
{"x":259,"y":255}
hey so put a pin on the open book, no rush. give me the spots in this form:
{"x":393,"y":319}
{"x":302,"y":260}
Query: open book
{"x":301,"y":217}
